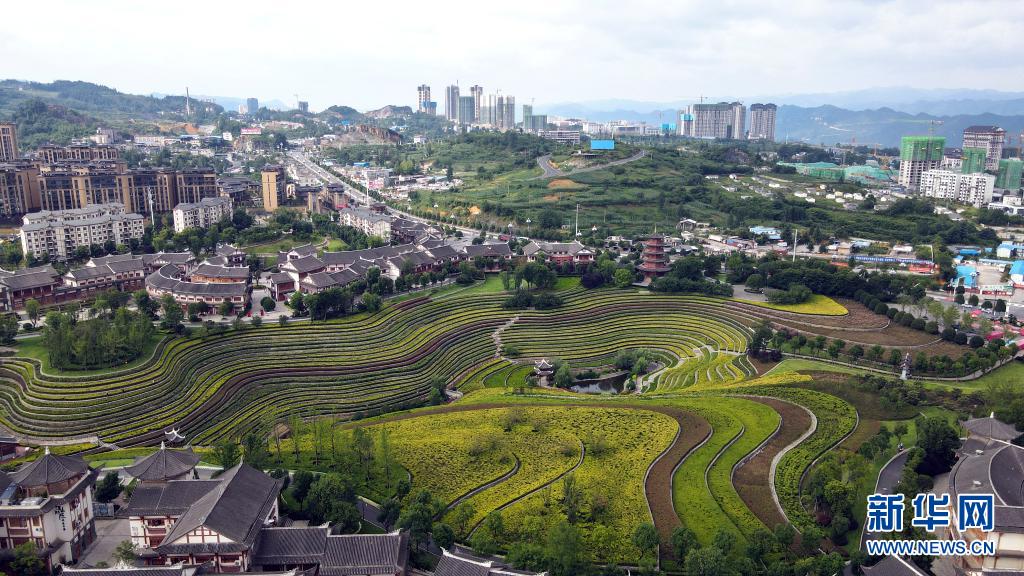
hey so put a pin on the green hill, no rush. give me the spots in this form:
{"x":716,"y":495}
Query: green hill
{"x":100,"y":101}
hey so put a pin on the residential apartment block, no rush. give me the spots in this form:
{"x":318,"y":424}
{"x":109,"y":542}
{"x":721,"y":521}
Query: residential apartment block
{"x":27,"y":186}
{"x":57,"y":234}
{"x":988,"y":138}
{"x":722,"y":120}
{"x":762,"y":122}
{"x":202,"y":214}
{"x":919,"y":154}
{"x":974,"y":189}
{"x":8,"y":142}
{"x":274,"y":187}
{"x":77,"y":153}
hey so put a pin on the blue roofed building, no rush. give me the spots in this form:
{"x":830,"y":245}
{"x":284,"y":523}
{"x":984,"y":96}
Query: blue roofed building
{"x":1009,"y":250}
{"x":1017,"y":273}
{"x":966,"y":276}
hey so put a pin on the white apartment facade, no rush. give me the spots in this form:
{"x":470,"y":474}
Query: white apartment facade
{"x":202,"y":214}
{"x":973,"y":189}
{"x":58,"y":234}
{"x":372,"y":223}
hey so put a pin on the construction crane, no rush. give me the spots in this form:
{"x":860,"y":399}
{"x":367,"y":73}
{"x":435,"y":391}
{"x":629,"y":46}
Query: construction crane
{"x":932,"y":124}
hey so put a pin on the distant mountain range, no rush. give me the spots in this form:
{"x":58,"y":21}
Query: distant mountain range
{"x":871,"y":116}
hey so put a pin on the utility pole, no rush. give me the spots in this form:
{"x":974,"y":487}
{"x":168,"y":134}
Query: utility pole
{"x":794,"y":245}
{"x":577,"y":220}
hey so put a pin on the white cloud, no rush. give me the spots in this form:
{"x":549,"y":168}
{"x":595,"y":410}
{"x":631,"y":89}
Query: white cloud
{"x":367,"y":54}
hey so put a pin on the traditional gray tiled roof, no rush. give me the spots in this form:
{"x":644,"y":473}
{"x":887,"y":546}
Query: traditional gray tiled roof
{"x":165,"y":279}
{"x":215,"y":271}
{"x":443,"y":252}
{"x":170,"y":499}
{"x":103,"y":260}
{"x":179,"y":570}
{"x":227,"y":250}
{"x":320,"y":280}
{"x":280,"y":278}
{"x":474,"y":250}
{"x":277,"y":546}
{"x":235,"y":508}
{"x":892,"y":566}
{"x":352,"y":555}
{"x":49,"y":469}
{"x":991,"y":427}
{"x":30,"y":278}
{"x":163,"y":465}
{"x":162,"y":258}
{"x":345,"y":277}
{"x":304,"y":264}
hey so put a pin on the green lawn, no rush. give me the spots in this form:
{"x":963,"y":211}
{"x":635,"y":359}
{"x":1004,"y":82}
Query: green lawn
{"x":34,"y":348}
{"x":805,"y":365}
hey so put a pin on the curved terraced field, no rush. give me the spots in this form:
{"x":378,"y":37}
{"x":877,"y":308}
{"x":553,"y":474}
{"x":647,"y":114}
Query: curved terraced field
{"x":223,"y":385}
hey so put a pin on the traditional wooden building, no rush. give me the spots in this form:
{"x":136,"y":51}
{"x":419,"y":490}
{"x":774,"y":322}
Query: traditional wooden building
{"x":215,"y":522}
{"x":654,"y":259}
{"x":165,"y":465}
{"x":48,"y":502}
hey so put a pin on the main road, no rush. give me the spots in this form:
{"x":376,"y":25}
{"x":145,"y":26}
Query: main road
{"x":550,"y":171}
{"x":326,"y":177}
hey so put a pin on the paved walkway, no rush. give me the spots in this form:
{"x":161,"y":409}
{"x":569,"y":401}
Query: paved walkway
{"x":109,"y":533}
{"x":888,"y":477}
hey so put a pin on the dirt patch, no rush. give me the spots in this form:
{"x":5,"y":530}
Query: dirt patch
{"x":551,"y":198}
{"x":564,"y":183}
{"x":474,"y":210}
{"x":751,"y":479}
{"x":692,"y":431}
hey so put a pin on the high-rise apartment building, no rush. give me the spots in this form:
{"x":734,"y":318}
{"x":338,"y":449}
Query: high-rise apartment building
{"x":918,"y":154}
{"x":988,"y":138}
{"x":303,"y":106}
{"x":532,"y":122}
{"x":973,"y":160}
{"x":466,"y":110}
{"x":422,"y":97}
{"x":8,"y":142}
{"x":762,"y":122}
{"x":722,"y":120}
{"x":451,"y":102}
{"x":1010,"y":170}
{"x":508,"y":117}
{"x":252,"y":105}
{"x":19,"y":188}
{"x":274,"y":187}
{"x":477,"y":92}
{"x":974,"y":189}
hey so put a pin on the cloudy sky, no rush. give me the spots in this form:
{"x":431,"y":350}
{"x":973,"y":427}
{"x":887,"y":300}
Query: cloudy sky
{"x":367,"y":54}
